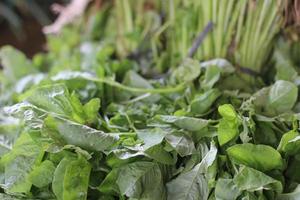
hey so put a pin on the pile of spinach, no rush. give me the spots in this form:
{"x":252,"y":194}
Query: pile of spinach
{"x":81,"y":123}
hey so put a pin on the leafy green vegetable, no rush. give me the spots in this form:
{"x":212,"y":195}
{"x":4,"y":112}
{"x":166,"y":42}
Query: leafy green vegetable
{"x":128,"y":105}
{"x":253,"y":180}
{"x":283,"y":95}
{"x":141,"y":180}
{"x":228,"y":128}
{"x":67,"y":132}
{"x":226,"y":189}
{"x":42,"y":175}
{"x":193,"y":184}
{"x":18,"y":164}
{"x":255,"y":156}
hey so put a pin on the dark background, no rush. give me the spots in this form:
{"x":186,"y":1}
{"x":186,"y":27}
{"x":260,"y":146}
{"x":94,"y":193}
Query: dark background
{"x":27,"y":35}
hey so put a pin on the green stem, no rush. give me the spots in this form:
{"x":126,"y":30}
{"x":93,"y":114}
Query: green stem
{"x":125,"y":134}
{"x":113,"y":83}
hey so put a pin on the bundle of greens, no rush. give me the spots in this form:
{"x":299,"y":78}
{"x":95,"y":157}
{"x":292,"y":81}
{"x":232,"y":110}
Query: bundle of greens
{"x":90,"y":119}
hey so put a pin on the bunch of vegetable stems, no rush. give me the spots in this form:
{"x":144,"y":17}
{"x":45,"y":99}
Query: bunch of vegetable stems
{"x":243,"y":30}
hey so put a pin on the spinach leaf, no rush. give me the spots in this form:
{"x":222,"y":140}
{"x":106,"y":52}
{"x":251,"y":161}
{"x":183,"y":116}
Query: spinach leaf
{"x":282,"y":96}
{"x":260,"y":157}
{"x":141,"y":180}
{"x":193,"y":184}
{"x":19,"y":163}
{"x":252,"y":180}
{"x":67,"y":132}
{"x":228,"y":128}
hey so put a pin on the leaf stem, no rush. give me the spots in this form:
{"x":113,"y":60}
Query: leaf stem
{"x":113,"y":83}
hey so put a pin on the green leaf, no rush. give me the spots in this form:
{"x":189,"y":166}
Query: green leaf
{"x":187,"y":123}
{"x":58,"y":178}
{"x":203,"y":102}
{"x":228,"y":128}
{"x":19,"y":163}
{"x":182,"y":143}
{"x":91,"y":110}
{"x":226,"y":190}
{"x":193,"y":184}
{"x":42,"y":175}
{"x":151,"y":137}
{"x":159,"y":154}
{"x":67,"y":132}
{"x":212,"y":75}
{"x":71,"y":179}
{"x":15,"y":64}
{"x":252,"y":180}
{"x":260,"y":157}
{"x":188,"y":71}
{"x":289,"y":143}
{"x":55,"y":99}
{"x":293,"y":146}
{"x":76,"y":180}
{"x":282,"y":96}
{"x":108,"y":185}
{"x":227,"y":112}
{"x":141,"y":180}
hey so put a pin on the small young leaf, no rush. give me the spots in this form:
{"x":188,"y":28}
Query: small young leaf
{"x":42,"y":175}
{"x":203,"y":102}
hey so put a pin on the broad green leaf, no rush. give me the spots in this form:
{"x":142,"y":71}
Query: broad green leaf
{"x":58,"y":178}
{"x":19,"y":163}
{"x":226,"y":190}
{"x":260,"y":157}
{"x":228,"y":128}
{"x":252,"y":180}
{"x":289,"y":143}
{"x":56,"y":99}
{"x":227,"y":112}
{"x":141,"y":180}
{"x":108,"y":185}
{"x":151,"y":137}
{"x":76,"y":180}
{"x":188,"y":71}
{"x":187,"y":123}
{"x":203,"y":102}
{"x":227,"y":131}
{"x":70,"y":181}
{"x":293,"y":146}
{"x":182,"y":143}
{"x":42,"y":175}
{"x":91,"y":109}
{"x":67,"y":132}
{"x":159,"y":154}
{"x":193,"y":184}
{"x":282,"y":96}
